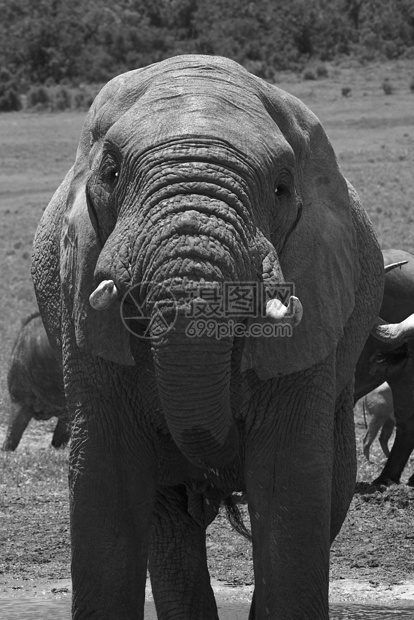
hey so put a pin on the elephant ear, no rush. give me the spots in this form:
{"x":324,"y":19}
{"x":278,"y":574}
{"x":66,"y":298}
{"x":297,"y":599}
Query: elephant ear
{"x":99,"y":333}
{"x":320,"y":256}
{"x":67,"y":248}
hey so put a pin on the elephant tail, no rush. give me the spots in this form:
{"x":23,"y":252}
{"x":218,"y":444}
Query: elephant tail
{"x":235,"y":517}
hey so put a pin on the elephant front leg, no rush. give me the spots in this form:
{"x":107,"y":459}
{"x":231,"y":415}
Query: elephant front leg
{"x":345,"y":464}
{"x":289,"y":461}
{"x":111,"y":501}
{"x":178,"y":561}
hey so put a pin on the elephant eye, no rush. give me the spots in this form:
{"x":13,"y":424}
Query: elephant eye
{"x":109,"y":171}
{"x":101,"y":198}
{"x":282,"y":190}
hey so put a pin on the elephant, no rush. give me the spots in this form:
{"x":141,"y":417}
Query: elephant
{"x":388,"y":356}
{"x":378,"y":412}
{"x":210,"y":279}
{"x":35,"y":384}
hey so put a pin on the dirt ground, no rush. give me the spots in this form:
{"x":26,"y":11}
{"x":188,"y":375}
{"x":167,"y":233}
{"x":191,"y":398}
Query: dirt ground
{"x":372,"y":559}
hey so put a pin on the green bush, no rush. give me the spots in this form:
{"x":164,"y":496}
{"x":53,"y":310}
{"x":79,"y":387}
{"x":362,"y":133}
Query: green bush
{"x":50,"y":82}
{"x":5,"y":75}
{"x":308,"y":74}
{"x":79,"y":100}
{"x":9,"y":100}
{"x":38,"y":97}
{"x":62,"y":99}
{"x":9,"y":92}
{"x":82,"y":100}
{"x":321,"y":71}
{"x":49,"y":42}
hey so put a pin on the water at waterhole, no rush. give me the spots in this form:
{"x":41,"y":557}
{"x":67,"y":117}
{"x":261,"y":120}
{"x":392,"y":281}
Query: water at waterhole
{"x":59,"y":609}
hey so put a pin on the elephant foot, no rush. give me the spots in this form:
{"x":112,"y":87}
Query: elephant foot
{"x":384,"y":481}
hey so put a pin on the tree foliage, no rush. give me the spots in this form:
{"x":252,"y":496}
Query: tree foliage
{"x":50,"y":41}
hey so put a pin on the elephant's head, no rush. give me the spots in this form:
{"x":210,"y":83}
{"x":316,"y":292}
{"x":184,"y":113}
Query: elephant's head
{"x":192,"y":172}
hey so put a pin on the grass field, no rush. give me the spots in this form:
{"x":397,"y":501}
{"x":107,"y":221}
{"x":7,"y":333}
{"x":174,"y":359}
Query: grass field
{"x":373,"y":135}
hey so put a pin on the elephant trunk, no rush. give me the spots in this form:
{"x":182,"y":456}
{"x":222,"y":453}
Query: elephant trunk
{"x":194,"y":370}
{"x":193,"y":377}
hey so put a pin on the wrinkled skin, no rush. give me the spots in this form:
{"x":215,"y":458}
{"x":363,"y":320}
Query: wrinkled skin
{"x":192,"y":174}
{"x":377,"y":409}
{"x":393,"y":363}
{"x":35,"y":384}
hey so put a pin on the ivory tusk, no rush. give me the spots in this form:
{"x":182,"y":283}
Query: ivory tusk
{"x":291,"y":314}
{"x":392,"y":266}
{"x":104,"y":295}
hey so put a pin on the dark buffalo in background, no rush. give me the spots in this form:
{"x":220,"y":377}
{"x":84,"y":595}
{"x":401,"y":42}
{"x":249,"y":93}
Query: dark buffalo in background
{"x":35,"y":384}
